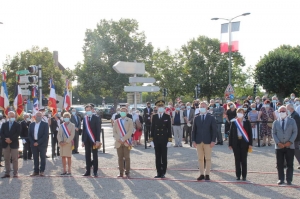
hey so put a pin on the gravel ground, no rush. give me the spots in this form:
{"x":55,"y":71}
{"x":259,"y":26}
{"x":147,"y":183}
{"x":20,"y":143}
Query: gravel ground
{"x":180,"y":183}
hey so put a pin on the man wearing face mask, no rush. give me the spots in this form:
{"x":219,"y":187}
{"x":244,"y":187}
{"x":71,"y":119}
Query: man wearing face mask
{"x":188,"y":115}
{"x":161,"y":138}
{"x":127,"y":114}
{"x":293,"y":114}
{"x":284,"y":133}
{"x":218,"y":112}
{"x":258,"y":103}
{"x":38,"y":138}
{"x":91,"y":140}
{"x":10,"y":132}
{"x":204,"y":137}
{"x":177,"y":122}
{"x":292,"y":100}
{"x":148,"y":111}
{"x":75,"y":119}
{"x":55,"y":123}
{"x":113,"y":117}
{"x":27,"y":154}
{"x":274,"y":103}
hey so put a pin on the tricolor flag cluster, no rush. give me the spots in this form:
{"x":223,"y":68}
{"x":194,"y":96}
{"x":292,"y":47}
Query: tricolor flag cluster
{"x":4,"y":102}
{"x":235,"y":27}
{"x":34,"y":95}
{"x":67,"y":100}
{"x":52,"y":98}
{"x":18,"y":101}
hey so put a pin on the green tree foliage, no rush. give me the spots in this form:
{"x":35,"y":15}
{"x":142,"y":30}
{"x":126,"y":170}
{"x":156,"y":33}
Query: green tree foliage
{"x":110,"y":42}
{"x":278,"y":71}
{"x":203,"y":63}
{"x":34,"y":56}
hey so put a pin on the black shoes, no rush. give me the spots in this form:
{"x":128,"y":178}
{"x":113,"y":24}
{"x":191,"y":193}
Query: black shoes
{"x":280,"y":182}
{"x":219,"y":143}
{"x":162,"y":176}
{"x":289,"y":183}
{"x":157,"y":176}
{"x":207,"y":177}
{"x":244,"y":179}
{"x":86,"y":174}
{"x":95,"y":175}
{"x":201,"y":177}
{"x":238,"y":178}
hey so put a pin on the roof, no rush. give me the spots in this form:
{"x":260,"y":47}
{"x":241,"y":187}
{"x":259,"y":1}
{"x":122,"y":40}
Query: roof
{"x":61,"y":67}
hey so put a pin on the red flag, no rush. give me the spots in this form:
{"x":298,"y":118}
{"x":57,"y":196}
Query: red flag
{"x":52,"y":98}
{"x":67,"y":101}
{"x":18,"y":101}
{"x":235,"y":27}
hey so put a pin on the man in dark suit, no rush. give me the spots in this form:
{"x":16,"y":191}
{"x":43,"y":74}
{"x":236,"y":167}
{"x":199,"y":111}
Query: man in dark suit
{"x":55,"y":123}
{"x":274,"y":103}
{"x":10,"y":132}
{"x":189,"y":115}
{"x":161,"y":138}
{"x":284,"y":133}
{"x":38,"y":138}
{"x":147,"y":119}
{"x":296,"y":117}
{"x":204,"y":137}
{"x":91,"y":140}
{"x":258,"y":103}
{"x":27,"y":154}
{"x":75,"y":119}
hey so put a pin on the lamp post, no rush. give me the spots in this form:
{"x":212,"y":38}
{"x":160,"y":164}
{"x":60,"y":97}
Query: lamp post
{"x":229,"y":43}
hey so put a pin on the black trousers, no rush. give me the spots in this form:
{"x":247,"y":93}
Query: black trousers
{"x":27,"y":154}
{"x":88,"y":145}
{"x":240,"y":157}
{"x":288,"y":155}
{"x":39,"y":152}
{"x":161,"y":155}
{"x":54,"y":143}
{"x":147,"y":131}
{"x":188,"y":134}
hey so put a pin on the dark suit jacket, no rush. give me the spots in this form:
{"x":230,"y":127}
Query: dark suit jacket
{"x":272,"y":105}
{"x":24,"y":129}
{"x":95,"y":125}
{"x":233,"y":135}
{"x":73,"y":120}
{"x":13,"y":134}
{"x":191,"y":116}
{"x":296,"y":117}
{"x":43,"y":134}
{"x":206,"y":131}
{"x":147,"y":115}
{"x":258,"y":107}
{"x":161,"y":129}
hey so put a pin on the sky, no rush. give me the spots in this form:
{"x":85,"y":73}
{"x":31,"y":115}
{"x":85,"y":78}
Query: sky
{"x":60,"y":25}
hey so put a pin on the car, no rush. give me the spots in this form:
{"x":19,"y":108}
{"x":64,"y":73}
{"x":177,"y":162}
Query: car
{"x":80,"y":110}
{"x":106,"y":114}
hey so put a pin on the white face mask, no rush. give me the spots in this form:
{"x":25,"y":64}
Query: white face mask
{"x":257,"y":101}
{"x":161,"y":109}
{"x":240,"y":115}
{"x":282,"y":115}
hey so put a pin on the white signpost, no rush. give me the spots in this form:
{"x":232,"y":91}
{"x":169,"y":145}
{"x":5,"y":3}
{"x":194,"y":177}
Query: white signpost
{"x":135,"y":68}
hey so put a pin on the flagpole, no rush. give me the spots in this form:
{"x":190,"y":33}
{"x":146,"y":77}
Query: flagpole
{"x":40,"y":85}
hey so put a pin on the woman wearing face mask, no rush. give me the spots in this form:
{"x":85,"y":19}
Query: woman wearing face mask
{"x":252,"y":116}
{"x":267,"y":116}
{"x":240,"y":140}
{"x":230,"y":114}
{"x":210,"y":108}
{"x":65,"y":137}
{"x":246,"y":110}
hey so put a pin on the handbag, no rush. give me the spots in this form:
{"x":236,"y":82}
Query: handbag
{"x":269,"y":120}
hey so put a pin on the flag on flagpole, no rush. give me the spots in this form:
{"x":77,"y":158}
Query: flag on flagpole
{"x":34,"y":95}
{"x":235,"y":27}
{"x":67,"y":101}
{"x":18,"y":101}
{"x":52,"y":98}
{"x":4,"y":102}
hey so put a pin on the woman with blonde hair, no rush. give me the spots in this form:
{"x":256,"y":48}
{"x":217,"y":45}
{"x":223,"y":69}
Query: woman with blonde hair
{"x":65,"y":137}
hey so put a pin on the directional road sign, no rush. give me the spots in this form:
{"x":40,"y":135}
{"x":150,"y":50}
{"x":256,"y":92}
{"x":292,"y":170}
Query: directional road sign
{"x":141,"y":80}
{"x":129,"y":67}
{"x":22,"y":72}
{"x":25,"y":92}
{"x":141,"y":88}
{"x":229,"y":90}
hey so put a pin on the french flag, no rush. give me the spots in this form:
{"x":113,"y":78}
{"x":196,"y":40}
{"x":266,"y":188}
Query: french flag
{"x":4,"y":102}
{"x":35,"y":100}
{"x":18,"y":101}
{"x":235,"y":27}
{"x":67,"y":101}
{"x":52,"y":98}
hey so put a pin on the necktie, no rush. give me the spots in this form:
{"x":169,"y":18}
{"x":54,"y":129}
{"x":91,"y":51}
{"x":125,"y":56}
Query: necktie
{"x":159,"y":116}
{"x":202,"y":118}
{"x":282,"y":126}
{"x":10,"y":124}
{"x":76,"y":119}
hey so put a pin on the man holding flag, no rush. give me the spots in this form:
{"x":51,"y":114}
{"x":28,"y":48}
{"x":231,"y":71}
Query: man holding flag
{"x":240,"y":141}
{"x":91,"y":140}
{"x":122,"y":131}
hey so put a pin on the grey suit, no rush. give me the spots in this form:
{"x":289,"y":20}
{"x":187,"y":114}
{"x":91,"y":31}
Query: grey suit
{"x":283,"y":135}
{"x":77,"y":125}
{"x":218,"y":113}
{"x":188,"y":129}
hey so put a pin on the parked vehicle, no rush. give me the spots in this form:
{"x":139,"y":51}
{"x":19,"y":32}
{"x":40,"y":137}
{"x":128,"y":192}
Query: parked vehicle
{"x":80,"y":110}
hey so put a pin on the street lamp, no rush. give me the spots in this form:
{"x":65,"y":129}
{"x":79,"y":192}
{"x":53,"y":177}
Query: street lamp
{"x":229,"y":43}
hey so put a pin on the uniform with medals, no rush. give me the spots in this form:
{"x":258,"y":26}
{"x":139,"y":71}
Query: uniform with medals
{"x":161,"y":138}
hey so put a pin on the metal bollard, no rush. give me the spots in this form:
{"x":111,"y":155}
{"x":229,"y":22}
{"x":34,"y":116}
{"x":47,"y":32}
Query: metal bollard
{"x":145,"y":135}
{"x":103,"y":143}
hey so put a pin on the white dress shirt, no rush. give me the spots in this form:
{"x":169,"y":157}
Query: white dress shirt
{"x":36,"y":130}
{"x":188,"y":114}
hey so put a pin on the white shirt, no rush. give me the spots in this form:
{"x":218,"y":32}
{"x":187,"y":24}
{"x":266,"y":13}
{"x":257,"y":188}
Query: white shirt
{"x":114,"y":116}
{"x":188,"y":114}
{"x":197,"y":111}
{"x":281,"y":120}
{"x":135,"y":117}
{"x":36,"y":130}
{"x":277,"y":114}
{"x":58,"y":124}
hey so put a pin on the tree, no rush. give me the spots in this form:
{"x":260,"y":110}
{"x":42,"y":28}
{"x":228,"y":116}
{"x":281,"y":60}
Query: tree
{"x":167,"y":72}
{"x":110,"y":42}
{"x":203,"y":63}
{"x":34,"y":56}
{"x":278,"y":71}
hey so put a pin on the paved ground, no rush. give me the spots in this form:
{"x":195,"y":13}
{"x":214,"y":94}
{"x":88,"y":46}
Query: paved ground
{"x":180,"y":182}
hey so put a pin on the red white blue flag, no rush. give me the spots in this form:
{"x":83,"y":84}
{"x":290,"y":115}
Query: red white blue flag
{"x":235,"y":27}
{"x":18,"y":101}
{"x":4,"y":102}
{"x":67,"y":101}
{"x":52,"y":98}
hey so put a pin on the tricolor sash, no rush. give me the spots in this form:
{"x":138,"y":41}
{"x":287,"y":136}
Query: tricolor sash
{"x":88,"y":129}
{"x":241,"y":129}
{"x":67,"y":132}
{"x":123,"y":131}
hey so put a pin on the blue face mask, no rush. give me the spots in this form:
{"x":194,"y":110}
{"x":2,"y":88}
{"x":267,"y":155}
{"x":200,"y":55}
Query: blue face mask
{"x":253,"y":109}
{"x":67,"y":119}
{"x":288,"y":112}
{"x":73,"y":113}
{"x":211,"y":107}
{"x":188,"y":107}
{"x":250,"y":101}
{"x":122,"y":114}
{"x":217,"y":104}
{"x":274,"y":101}
{"x":89,"y":113}
{"x":12,"y":119}
{"x":267,"y":105}
{"x":177,"y":109}
{"x":202,"y":110}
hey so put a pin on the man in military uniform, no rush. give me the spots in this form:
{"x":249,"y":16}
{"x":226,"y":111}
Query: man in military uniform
{"x":161,"y":138}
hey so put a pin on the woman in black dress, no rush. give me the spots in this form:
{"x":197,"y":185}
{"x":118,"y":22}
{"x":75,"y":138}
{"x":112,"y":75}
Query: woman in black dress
{"x":230,"y":114}
{"x":239,"y":145}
